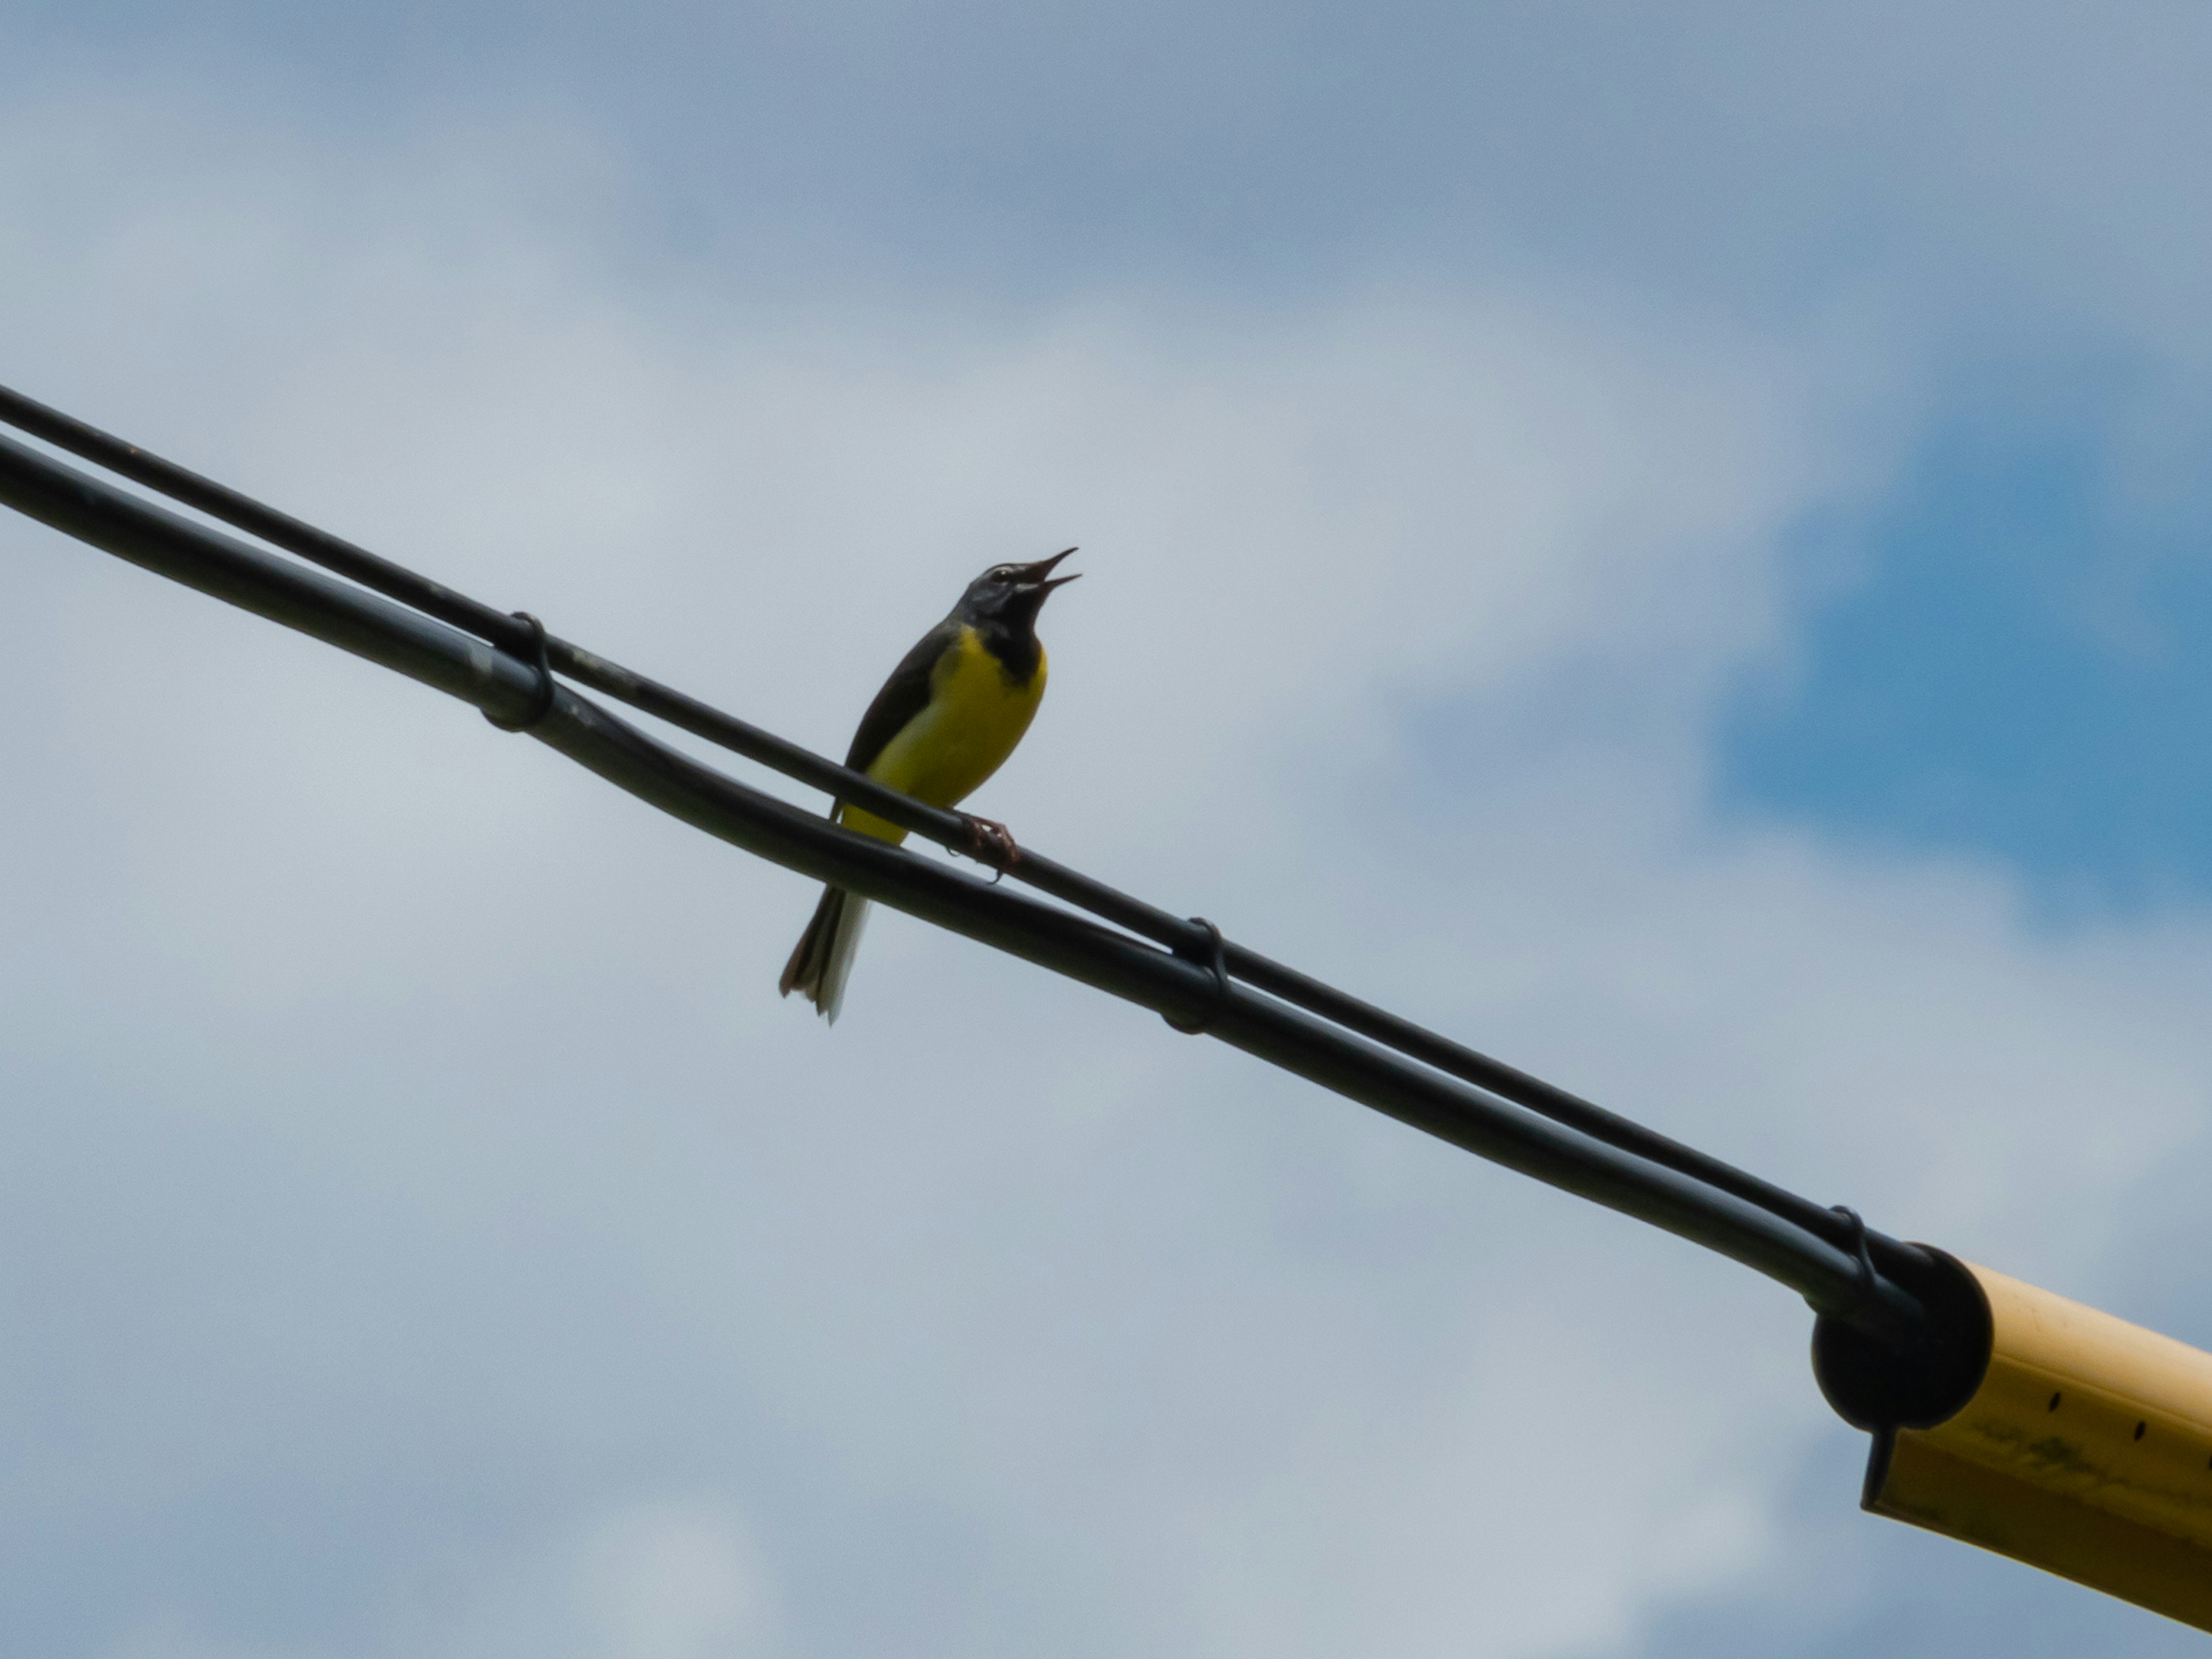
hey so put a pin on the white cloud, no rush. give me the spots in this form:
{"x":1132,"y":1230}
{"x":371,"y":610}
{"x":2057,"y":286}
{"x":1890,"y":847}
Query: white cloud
{"x":471,"y":1170}
{"x":668,"y":1578}
{"x":662,"y":1578}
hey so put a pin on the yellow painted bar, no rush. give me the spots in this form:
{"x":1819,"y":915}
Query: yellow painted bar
{"x":2086,"y":1451}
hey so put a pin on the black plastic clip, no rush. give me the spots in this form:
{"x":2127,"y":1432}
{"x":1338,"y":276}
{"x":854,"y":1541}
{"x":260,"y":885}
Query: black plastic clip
{"x":541,"y":702}
{"x":1868,"y":1279}
{"x":1216,"y":962}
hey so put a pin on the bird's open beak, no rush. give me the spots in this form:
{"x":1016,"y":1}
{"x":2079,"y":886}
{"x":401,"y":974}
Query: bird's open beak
{"x":1039,"y":575}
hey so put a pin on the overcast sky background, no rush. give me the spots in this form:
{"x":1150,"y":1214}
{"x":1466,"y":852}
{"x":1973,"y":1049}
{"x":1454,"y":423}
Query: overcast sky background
{"x":1671,"y":545}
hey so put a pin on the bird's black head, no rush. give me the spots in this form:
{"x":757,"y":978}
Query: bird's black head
{"x":1010,"y":595}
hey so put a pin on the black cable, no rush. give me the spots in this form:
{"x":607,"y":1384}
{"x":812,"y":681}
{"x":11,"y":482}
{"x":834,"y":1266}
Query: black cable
{"x":280,"y":528}
{"x":508,"y":688}
{"x":1187,"y":938}
{"x":950,"y":830}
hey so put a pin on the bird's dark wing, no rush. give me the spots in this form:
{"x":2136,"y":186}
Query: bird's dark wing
{"x":905,"y":695}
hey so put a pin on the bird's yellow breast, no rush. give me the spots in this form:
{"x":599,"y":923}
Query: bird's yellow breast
{"x":976,"y":714}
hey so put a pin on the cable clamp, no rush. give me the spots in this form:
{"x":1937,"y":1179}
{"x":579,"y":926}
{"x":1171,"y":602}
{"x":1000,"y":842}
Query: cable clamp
{"x":541,"y":702}
{"x":1869,"y":1280}
{"x":1215,"y":961}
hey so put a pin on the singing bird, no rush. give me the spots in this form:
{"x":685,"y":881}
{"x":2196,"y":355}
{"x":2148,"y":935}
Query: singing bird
{"x":949,"y":713}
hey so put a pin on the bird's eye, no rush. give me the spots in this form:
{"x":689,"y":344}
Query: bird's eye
{"x":1003,"y":572}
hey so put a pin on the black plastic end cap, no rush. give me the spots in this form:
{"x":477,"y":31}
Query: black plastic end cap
{"x":1877,"y":1386}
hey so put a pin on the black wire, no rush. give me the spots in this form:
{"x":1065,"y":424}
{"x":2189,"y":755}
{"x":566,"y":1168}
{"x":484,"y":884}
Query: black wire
{"x":1187,"y":937}
{"x":507,"y":688}
{"x":282,"y":529}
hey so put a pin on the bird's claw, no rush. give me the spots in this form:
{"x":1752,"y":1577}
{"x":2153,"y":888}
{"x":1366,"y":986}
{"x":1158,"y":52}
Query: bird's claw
{"x":991,"y":842}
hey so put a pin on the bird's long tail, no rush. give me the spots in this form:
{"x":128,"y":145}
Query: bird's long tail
{"x":823,"y":959}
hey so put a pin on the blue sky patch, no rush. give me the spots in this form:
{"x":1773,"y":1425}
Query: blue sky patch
{"x":2015,"y":661}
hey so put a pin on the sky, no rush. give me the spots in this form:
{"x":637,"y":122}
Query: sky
{"x":1669,"y":545}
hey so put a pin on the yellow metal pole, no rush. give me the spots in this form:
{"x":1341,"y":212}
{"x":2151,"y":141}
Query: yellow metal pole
{"x":2085,"y":1449}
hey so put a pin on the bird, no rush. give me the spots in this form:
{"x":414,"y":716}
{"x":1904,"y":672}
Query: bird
{"x":946,"y":718}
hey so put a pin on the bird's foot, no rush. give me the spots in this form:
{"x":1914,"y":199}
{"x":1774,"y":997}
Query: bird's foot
{"x":991,"y":842}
